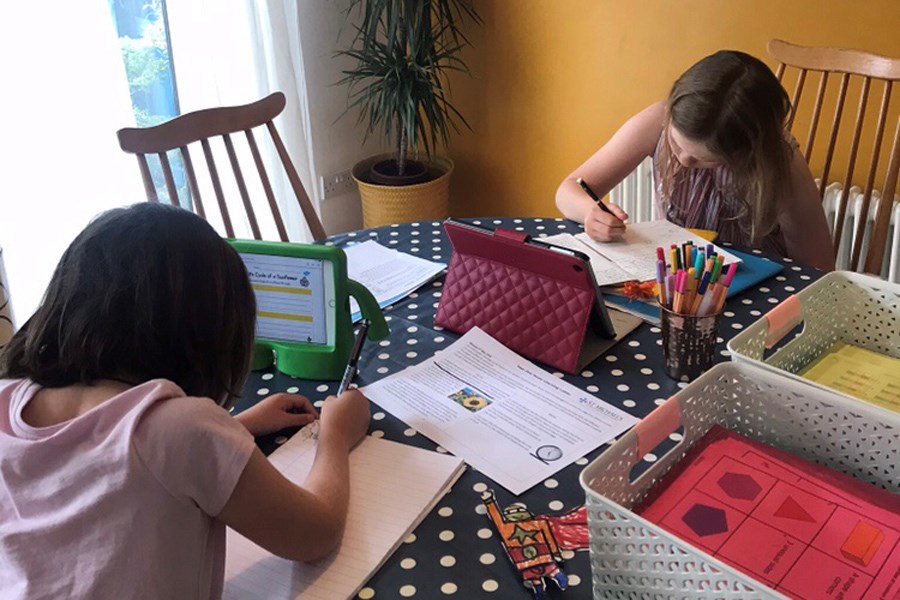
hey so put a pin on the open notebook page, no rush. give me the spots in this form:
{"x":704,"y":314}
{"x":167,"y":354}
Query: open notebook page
{"x":393,"y":487}
{"x":636,"y":253}
{"x":606,"y":272}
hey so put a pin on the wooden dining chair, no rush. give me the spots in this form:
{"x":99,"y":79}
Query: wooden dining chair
{"x":202,"y":126}
{"x":861,"y":151}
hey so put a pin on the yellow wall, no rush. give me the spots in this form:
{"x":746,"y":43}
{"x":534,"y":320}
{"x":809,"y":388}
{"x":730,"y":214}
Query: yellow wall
{"x":554,"y":79}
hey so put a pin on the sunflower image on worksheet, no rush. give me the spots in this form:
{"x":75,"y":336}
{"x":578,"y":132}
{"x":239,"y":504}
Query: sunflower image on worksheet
{"x":469,"y":399}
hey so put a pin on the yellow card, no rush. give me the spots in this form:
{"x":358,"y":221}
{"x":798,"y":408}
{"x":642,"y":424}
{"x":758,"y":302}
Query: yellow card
{"x":707,"y":234}
{"x":859,"y":373}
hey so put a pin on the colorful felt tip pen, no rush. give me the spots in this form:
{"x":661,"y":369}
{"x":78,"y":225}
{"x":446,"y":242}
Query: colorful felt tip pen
{"x":698,"y":263}
{"x":726,"y":283}
{"x":701,"y":292}
{"x":661,"y":278}
{"x":680,"y":282}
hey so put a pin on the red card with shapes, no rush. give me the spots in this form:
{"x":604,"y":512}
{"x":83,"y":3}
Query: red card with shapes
{"x":887,"y":584}
{"x":703,"y":520}
{"x":774,"y":552}
{"x":794,"y":511}
{"x":857,"y":539}
{"x":800,"y":528}
{"x":818,"y":575}
{"x":736,"y":484}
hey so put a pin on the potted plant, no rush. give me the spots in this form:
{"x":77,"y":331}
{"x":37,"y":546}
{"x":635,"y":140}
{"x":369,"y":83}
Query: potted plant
{"x":403,"y":50}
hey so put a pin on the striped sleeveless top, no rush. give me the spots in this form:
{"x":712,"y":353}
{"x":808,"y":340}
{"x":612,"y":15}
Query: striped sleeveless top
{"x":701,"y":199}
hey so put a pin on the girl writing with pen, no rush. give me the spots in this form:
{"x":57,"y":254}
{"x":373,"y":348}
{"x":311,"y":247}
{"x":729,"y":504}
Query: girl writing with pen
{"x":119,"y":464}
{"x":722,"y":160}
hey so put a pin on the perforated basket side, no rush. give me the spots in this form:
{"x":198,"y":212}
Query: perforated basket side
{"x":840,"y":307}
{"x":631,"y":557}
{"x":634,"y":559}
{"x":840,"y":433}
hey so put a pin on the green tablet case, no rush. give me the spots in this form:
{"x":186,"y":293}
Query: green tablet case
{"x":317,"y":361}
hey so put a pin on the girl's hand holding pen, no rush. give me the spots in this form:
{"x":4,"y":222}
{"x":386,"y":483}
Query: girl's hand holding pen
{"x":346,"y":417}
{"x":602,"y":222}
{"x":605,"y":226}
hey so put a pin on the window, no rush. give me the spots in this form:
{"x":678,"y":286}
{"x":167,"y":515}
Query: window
{"x":143,"y":31}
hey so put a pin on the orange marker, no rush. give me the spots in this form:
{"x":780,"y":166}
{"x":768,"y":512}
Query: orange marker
{"x":679,"y":292}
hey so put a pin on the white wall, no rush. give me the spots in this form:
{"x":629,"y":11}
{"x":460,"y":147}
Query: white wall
{"x":337,"y":142}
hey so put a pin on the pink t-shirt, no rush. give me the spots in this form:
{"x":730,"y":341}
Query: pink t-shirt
{"x":116,"y":503}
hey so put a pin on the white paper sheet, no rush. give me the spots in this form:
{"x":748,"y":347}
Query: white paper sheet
{"x":392,"y":488}
{"x":509,"y":419}
{"x":390,"y":275}
{"x":635,"y":255}
{"x":606,"y":272}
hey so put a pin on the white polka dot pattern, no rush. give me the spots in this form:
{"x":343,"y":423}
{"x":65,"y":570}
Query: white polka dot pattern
{"x":455,"y":553}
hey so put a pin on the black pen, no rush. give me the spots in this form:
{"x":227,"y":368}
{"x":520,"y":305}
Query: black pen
{"x":594,"y":196}
{"x":350,"y":371}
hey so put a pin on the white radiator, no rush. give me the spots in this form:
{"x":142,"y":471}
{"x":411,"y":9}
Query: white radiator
{"x":890,"y":268}
{"x":635,"y":195}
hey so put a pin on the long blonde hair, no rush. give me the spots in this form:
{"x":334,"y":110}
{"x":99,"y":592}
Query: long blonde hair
{"x":733,"y":104}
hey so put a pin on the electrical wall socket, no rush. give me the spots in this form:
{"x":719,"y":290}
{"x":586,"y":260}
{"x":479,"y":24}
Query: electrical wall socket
{"x":337,"y":184}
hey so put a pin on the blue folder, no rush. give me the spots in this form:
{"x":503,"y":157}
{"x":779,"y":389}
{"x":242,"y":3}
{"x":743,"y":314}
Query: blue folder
{"x":754,"y":269}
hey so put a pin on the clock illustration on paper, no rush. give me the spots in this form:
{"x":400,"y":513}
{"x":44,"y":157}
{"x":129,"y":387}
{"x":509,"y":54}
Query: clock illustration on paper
{"x":548,"y":453}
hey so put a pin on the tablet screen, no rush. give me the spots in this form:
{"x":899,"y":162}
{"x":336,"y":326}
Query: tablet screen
{"x":292,"y":297}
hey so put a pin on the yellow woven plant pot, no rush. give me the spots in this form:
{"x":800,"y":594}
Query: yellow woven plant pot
{"x":387,"y":204}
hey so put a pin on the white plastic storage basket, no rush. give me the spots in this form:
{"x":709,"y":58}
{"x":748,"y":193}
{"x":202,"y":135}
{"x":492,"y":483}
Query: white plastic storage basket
{"x":840,"y":307}
{"x":634,"y":558}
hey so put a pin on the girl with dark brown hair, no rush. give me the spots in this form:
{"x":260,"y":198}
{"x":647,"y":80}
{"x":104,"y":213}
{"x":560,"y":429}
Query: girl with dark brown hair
{"x":119,"y":464}
{"x":722,"y":160}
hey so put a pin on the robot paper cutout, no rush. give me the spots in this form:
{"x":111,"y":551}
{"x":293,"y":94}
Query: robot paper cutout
{"x":534,"y":542}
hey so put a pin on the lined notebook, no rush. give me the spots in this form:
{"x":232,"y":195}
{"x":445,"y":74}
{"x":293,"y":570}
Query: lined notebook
{"x":392,"y":488}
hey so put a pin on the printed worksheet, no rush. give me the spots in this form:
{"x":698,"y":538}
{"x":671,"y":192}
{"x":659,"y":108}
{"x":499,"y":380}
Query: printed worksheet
{"x":390,"y":275}
{"x":504,"y":416}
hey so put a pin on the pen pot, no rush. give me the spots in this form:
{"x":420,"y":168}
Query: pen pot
{"x":689,"y":343}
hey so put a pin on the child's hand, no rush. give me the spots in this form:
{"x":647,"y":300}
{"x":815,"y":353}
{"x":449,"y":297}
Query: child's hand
{"x":604,"y":227}
{"x":346,"y":416}
{"x":278,"y":412}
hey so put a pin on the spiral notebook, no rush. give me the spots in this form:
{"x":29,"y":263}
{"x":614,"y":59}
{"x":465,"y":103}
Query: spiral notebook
{"x":392,"y":488}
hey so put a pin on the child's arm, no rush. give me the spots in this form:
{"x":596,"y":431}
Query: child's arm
{"x":625,"y":150}
{"x":802,"y":219}
{"x":302,"y":523}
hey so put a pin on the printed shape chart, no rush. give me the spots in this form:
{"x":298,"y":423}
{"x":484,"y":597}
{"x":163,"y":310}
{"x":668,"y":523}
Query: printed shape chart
{"x":795,"y":529}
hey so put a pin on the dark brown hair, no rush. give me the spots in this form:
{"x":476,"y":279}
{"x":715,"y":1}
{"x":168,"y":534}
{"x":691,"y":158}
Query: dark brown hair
{"x":144,"y":292}
{"x":733,"y":104}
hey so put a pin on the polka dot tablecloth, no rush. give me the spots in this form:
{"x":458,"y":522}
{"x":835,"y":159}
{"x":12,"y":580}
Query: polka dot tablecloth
{"x":454,"y":553}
